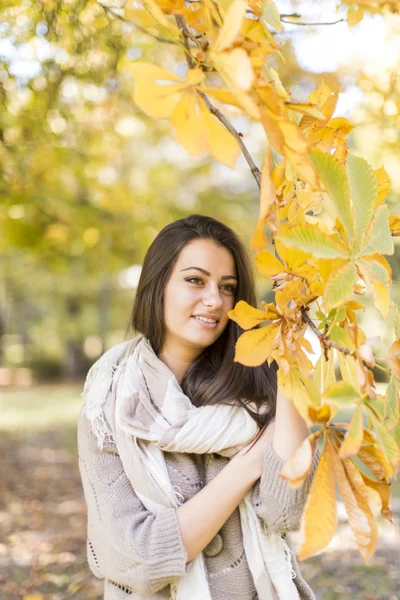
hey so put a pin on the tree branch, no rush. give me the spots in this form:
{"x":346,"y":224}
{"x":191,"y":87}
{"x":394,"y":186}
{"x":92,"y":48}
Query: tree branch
{"x":185,"y":33}
{"x":215,"y":111}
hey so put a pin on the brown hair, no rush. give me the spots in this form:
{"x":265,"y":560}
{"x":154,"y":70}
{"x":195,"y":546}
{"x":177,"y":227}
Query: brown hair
{"x":213,"y":377}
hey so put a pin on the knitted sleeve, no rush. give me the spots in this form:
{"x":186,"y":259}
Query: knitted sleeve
{"x":278,"y":504}
{"x":126,"y":543}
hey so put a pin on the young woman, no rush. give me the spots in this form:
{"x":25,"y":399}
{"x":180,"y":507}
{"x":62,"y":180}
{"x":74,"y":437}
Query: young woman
{"x":180,"y":447}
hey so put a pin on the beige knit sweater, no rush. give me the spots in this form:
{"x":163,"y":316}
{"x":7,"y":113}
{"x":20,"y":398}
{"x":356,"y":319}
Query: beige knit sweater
{"x":139,"y":553}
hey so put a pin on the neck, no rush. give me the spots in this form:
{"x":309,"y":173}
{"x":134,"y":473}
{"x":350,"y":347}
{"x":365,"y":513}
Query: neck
{"x":178,"y":358}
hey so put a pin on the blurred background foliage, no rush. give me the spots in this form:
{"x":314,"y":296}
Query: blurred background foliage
{"x":87,"y":182}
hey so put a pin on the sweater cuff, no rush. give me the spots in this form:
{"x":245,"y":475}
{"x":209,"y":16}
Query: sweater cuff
{"x":273,"y":485}
{"x":169,"y":554}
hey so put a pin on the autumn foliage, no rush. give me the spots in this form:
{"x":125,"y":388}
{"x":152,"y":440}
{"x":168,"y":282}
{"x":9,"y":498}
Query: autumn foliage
{"x":330,"y":229}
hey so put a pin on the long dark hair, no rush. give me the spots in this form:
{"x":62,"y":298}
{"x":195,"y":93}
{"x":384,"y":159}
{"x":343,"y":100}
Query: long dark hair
{"x":213,"y":377}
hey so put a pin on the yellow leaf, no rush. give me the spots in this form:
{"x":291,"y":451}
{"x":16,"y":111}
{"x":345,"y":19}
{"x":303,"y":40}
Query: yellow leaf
{"x":383,"y":186}
{"x":224,"y":96}
{"x":222,"y":145}
{"x":155,"y":100}
{"x":322,"y":414}
{"x":370,"y":262}
{"x":326,"y":99}
{"x":271,"y":311}
{"x":276,"y":82}
{"x":354,"y":496}
{"x":374,"y":458}
{"x":231,"y":27}
{"x":317,"y":532}
{"x":254,"y":347}
{"x":394,"y":225}
{"x":267,"y":264}
{"x":271,"y":127}
{"x":247,"y":316}
{"x":340,"y":286}
{"x":188,"y":127}
{"x":297,"y":468}
{"x":300,"y":389}
{"x":355,"y":15}
{"x":324,"y":372}
{"x":354,"y":436}
{"x":267,"y":192}
{"x":156,"y":12}
{"x":235,"y":67}
{"x":294,"y":138}
{"x":383,"y":491}
{"x":306,"y":109}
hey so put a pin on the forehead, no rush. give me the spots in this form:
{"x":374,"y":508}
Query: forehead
{"x":208,"y":255}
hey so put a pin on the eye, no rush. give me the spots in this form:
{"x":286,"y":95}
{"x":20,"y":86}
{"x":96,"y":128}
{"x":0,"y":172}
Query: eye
{"x":231,"y":288}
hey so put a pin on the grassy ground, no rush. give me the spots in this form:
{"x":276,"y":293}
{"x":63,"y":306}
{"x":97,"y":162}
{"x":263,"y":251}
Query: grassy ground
{"x":43,"y":514}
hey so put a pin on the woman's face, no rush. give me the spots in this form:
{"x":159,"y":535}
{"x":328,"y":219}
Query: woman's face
{"x":203,"y":282}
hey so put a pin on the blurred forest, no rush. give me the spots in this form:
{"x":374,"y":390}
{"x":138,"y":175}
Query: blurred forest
{"x":86,"y":183}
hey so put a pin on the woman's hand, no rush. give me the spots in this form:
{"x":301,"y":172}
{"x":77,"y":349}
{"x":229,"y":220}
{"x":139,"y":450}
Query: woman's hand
{"x":255,"y":450}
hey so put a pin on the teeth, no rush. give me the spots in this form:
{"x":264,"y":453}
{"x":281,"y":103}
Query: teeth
{"x":206,"y":320}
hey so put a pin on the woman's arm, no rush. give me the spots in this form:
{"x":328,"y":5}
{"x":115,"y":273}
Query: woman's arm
{"x":201,"y":517}
{"x":290,"y":429}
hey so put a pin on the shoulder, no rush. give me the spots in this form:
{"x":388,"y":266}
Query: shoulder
{"x":97,"y":392}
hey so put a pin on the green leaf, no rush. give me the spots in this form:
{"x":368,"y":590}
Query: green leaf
{"x":272,"y":16}
{"x":340,"y":285}
{"x":376,"y":406}
{"x":396,"y":321}
{"x":376,"y":268}
{"x":333,"y":176}
{"x":364,"y":191}
{"x":387,"y":442}
{"x":341,"y":393}
{"x":311,"y":239}
{"x":378,"y":236}
{"x":392,"y":413}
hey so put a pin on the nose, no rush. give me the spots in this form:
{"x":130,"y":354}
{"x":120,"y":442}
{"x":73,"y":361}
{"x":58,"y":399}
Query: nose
{"x":212,"y":297}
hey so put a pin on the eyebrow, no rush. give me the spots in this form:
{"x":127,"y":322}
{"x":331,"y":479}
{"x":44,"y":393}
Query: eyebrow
{"x":207,"y":273}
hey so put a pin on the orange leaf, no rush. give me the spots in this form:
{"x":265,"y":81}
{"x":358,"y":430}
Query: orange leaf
{"x":317,"y":532}
{"x":247,"y":316}
{"x":354,"y":436}
{"x":254,"y":347}
{"x":354,"y":496}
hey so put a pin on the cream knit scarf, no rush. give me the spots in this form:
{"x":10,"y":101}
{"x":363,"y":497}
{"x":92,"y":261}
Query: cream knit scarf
{"x":151,"y":415}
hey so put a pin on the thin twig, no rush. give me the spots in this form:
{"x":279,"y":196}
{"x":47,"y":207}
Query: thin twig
{"x":322,"y":337}
{"x":109,"y":10}
{"x":215,"y":111}
{"x":185,"y":33}
{"x":286,"y":19}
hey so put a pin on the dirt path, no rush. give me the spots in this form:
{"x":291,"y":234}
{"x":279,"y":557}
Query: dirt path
{"x":43,"y":533}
